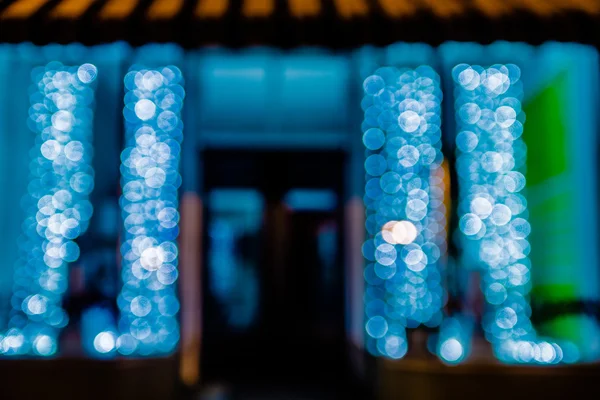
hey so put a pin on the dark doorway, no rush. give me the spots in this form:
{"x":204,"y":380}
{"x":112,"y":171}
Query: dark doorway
{"x":273,"y":283}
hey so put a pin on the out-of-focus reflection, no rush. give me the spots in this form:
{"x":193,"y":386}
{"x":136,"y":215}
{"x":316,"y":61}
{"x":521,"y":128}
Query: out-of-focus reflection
{"x":234,"y":229}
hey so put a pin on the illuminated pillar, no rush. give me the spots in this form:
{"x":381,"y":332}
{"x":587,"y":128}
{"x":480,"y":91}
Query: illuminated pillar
{"x":492,"y":207}
{"x":404,"y":200}
{"x":150,"y":180}
{"x":57,"y":208}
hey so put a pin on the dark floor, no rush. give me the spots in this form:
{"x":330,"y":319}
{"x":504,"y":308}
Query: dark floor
{"x":221,"y":392}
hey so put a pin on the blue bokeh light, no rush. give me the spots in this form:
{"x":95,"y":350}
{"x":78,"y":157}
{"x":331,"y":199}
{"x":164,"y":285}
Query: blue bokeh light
{"x":57,"y":205}
{"x":492,"y":208}
{"x":150,"y":180}
{"x":98,"y":332}
{"x":404,"y":203}
{"x":454,"y":339}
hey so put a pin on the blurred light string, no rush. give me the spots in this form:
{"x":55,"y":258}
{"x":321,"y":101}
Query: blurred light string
{"x":56,"y":206}
{"x":404,"y":203}
{"x":150,"y":180}
{"x":493,"y":211}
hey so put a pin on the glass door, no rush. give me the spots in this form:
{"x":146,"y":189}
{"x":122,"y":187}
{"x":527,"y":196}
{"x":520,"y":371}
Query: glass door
{"x":273,"y":287}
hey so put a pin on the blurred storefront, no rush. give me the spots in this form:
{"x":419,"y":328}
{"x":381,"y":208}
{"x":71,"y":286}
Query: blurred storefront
{"x":366,"y":196}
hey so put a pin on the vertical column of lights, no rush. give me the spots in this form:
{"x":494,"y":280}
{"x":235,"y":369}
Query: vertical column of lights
{"x":56,"y":206}
{"x":404,"y":205}
{"x":493,"y":211}
{"x":150,"y":180}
